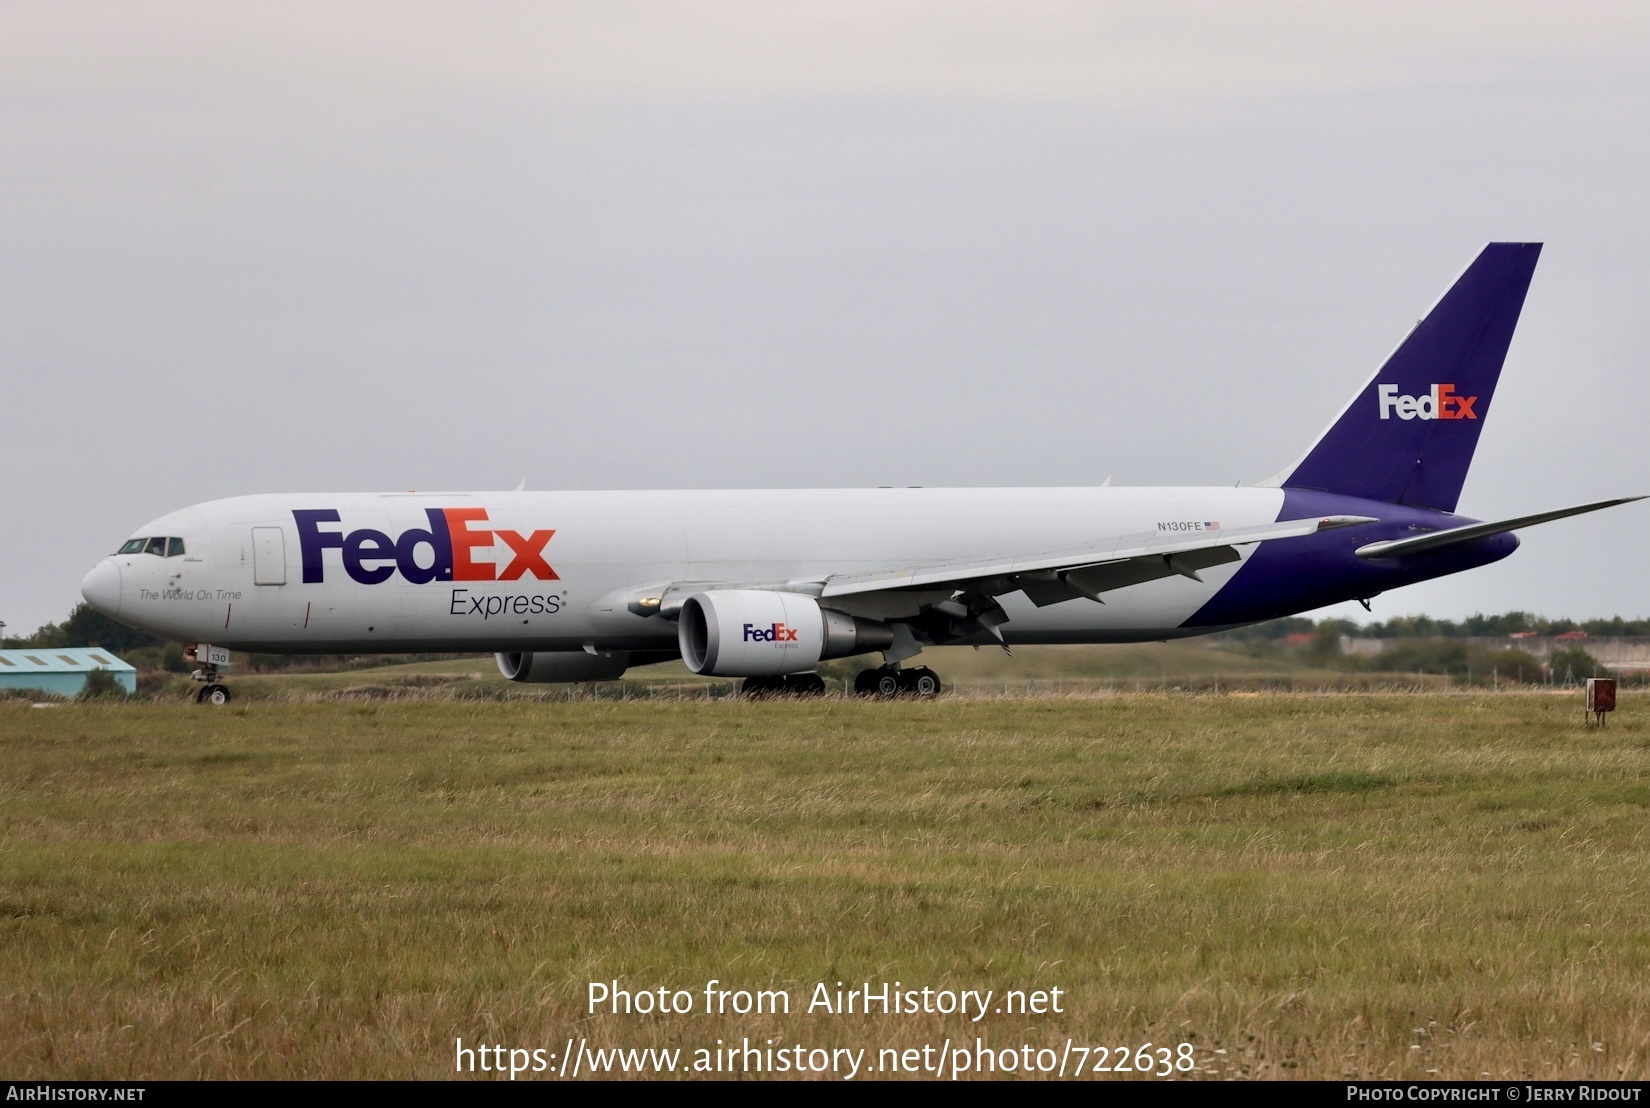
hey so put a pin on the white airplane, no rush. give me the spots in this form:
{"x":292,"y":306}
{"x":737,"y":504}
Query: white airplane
{"x":763,"y":584}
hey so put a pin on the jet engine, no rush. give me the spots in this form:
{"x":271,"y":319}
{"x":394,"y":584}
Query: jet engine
{"x":543,"y":666}
{"x":757,"y":633}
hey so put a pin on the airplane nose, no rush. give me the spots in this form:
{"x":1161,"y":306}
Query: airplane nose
{"x":101,"y":588}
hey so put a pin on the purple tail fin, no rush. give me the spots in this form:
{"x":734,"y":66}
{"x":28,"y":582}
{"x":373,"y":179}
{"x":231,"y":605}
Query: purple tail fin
{"x":1408,"y":436}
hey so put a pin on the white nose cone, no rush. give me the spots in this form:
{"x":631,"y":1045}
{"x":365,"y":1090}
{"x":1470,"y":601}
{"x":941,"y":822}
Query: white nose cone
{"x":102,"y":587}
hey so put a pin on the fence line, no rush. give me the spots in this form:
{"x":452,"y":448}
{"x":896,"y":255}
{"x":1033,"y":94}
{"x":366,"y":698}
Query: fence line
{"x":1202,"y":685}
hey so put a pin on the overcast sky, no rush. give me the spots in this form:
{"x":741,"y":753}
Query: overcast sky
{"x":323,"y":247}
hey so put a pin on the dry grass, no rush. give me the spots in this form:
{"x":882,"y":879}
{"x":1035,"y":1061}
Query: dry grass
{"x":1311,"y":886}
{"x":1200,"y":664}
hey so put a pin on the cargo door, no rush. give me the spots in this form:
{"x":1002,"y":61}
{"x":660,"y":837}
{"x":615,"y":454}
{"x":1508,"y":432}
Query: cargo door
{"x":268,"y":556}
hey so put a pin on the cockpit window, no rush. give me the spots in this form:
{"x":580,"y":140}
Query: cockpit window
{"x":165,"y":546}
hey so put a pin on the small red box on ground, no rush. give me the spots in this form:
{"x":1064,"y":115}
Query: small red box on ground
{"x":1601,"y":694}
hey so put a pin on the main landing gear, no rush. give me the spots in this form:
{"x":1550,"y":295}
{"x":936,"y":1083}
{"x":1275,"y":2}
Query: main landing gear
{"x":890,"y":681}
{"x":885,"y":682}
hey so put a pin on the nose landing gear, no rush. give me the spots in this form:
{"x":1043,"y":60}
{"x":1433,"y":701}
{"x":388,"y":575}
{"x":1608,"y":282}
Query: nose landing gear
{"x":213,"y":694}
{"x":891,"y":681}
{"x":213,"y":661}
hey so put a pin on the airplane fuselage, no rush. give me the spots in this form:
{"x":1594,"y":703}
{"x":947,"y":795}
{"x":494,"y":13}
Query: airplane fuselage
{"x":553,"y":571}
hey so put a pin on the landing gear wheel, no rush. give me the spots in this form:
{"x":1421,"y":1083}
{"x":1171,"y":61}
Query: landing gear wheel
{"x":213,"y":694}
{"x":922,"y":681}
{"x":886,"y":681}
{"x":805,"y":684}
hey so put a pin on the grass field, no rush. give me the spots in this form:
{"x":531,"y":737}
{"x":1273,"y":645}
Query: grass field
{"x":1311,"y":886}
{"x":1204,"y":664}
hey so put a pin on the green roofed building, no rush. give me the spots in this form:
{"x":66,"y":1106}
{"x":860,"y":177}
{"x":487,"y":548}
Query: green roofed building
{"x":61,"y":669}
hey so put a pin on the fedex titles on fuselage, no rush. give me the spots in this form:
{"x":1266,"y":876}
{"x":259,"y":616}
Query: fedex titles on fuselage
{"x":1439,"y":402}
{"x":371,"y":557}
{"x":451,"y":542}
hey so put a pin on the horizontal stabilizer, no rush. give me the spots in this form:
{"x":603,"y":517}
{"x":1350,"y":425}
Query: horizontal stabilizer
{"x":1437,"y":540}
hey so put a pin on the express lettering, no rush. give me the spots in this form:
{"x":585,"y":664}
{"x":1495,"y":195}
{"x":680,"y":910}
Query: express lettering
{"x":466,"y":604}
{"x":1440,"y":402}
{"x":776,"y":633}
{"x":444,"y":552}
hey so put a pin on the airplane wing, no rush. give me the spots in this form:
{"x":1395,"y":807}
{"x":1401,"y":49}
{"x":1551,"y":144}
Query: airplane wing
{"x":1091,"y":569}
{"x":1437,"y":540}
{"x":962,"y":595}
{"x":967,"y":590}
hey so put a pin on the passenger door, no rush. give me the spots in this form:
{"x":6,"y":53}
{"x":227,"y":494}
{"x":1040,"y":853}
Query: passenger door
{"x":268,"y":556}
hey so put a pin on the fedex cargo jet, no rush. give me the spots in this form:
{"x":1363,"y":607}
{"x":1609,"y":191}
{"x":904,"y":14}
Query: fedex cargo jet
{"x":763,"y":584}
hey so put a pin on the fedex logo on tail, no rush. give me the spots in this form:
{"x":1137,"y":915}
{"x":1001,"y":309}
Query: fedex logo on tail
{"x":445,"y":552}
{"x":1441,"y":402}
{"x":777,"y":633}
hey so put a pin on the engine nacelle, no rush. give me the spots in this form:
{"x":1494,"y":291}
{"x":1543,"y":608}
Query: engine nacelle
{"x":544,"y":666}
{"x":757,"y":633}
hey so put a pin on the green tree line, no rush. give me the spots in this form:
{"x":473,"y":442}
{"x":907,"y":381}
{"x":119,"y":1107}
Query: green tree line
{"x":1425,"y":627}
{"x":86,"y":626}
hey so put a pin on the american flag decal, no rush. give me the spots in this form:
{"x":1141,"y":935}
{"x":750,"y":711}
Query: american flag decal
{"x":1215,"y":526}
